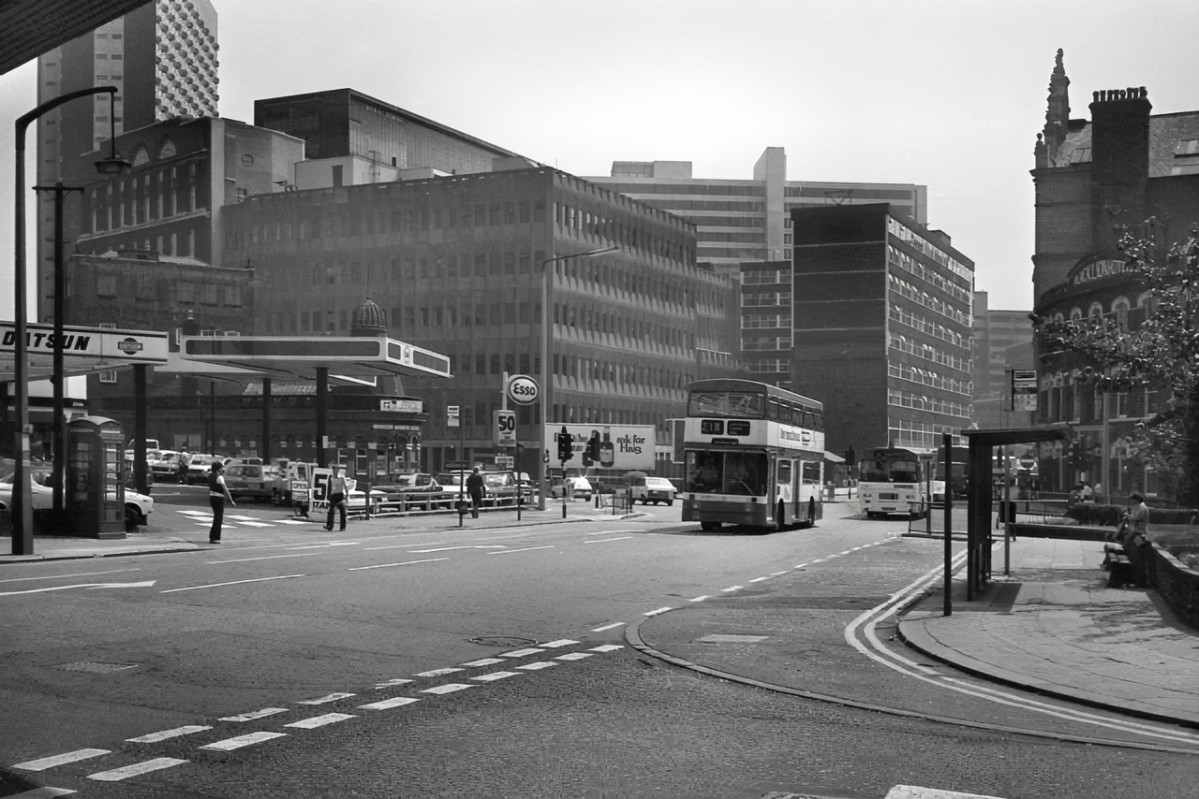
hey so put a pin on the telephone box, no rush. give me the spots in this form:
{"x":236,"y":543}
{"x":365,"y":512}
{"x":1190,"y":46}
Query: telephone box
{"x":95,"y":490}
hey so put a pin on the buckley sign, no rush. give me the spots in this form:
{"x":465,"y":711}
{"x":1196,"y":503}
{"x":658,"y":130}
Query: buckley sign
{"x":1096,"y":268}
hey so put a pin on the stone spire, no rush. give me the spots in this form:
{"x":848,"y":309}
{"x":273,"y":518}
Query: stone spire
{"x":1057,"y":116}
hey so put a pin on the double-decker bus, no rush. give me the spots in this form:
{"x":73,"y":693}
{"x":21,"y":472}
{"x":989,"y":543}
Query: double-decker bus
{"x":754,"y":455}
{"x":895,"y":480}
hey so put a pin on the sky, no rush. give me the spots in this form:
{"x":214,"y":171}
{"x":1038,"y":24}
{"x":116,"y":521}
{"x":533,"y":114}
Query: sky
{"x":949,"y":94}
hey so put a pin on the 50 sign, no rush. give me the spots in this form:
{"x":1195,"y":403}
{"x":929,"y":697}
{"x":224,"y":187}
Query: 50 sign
{"x":505,"y":428}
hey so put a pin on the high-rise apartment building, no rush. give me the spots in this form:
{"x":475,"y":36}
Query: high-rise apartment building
{"x":740,"y":221}
{"x":162,"y":57}
{"x":872,"y":318}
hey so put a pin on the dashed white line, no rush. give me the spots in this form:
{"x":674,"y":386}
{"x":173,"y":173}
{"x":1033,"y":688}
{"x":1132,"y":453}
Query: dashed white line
{"x":495,"y":675}
{"x":778,"y":574}
{"x":391,"y":683}
{"x":438,"y":672}
{"x":759,"y":579}
{"x":656,"y":612}
{"x":799,"y":566}
{"x":448,"y":688}
{"x":165,"y":735}
{"x":264,"y":557}
{"x":520,"y":653}
{"x":319,"y":721}
{"x":67,"y":576}
{"x":731,"y":588}
{"x":606,"y":540}
{"x":484,"y":662}
{"x":525,"y":549}
{"x":254,"y":715}
{"x":229,"y":744}
{"x":235,"y":582}
{"x":388,"y":704}
{"x":324,"y":700}
{"x":125,"y":772}
{"x":45,"y":792}
{"x":464,"y":546}
{"x":558,"y":643}
{"x":700,"y":598}
{"x":537,"y":665}
{"x":61,"y":760}
{"x":607,"y":627}
{"x":389,"y":565}
{"x":574,"y":656}
{"x":606,"y":648}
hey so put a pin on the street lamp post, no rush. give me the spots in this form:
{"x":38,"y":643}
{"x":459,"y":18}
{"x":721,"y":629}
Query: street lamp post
{"x":547,"y":350}
{"x":22,"y":509}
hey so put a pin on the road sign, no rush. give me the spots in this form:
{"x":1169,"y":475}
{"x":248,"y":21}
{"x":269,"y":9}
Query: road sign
{"x":1024,"y":390}
{"x":522,"y":389}
{"x":451,"y":416}
{"x":505,"y":462}
{"x":505,"y":428}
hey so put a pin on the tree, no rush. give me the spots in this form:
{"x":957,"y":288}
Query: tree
{"x":1161,"y":352}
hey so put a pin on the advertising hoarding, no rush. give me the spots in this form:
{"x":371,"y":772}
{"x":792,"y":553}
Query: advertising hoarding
{"x":618,"y":446}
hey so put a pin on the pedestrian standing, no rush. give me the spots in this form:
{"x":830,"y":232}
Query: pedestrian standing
{"x":218,"y":492}
{"x":337,"y":497}
{"x":1136,"y":539}
{"x":475,"y":487}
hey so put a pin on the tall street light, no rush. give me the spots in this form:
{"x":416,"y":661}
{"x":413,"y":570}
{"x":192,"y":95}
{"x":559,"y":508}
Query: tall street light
{"x":547,"y":350}
{"x":22,"y":508}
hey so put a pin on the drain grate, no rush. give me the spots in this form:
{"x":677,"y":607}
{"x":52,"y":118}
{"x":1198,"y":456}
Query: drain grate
{"x":95,"y":667}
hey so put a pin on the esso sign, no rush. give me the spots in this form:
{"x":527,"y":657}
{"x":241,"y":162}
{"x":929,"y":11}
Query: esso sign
{"x":522,"y":389}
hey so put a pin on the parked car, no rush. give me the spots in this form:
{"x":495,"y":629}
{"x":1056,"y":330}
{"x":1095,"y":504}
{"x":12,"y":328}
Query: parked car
{"x":580,"y":488}
{"x":199,"y":466}
{"x":166,"y":466}
{"x":416,"y":490}
{"x":138,"y":507}
{"x":647,"y":488}
{"x":248,"y":480}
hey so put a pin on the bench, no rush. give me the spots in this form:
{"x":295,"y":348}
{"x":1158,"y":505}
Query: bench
{"x":1117,"y":564}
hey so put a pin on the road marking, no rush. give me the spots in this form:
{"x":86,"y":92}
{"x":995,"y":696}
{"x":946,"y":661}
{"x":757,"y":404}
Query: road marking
{"x":464,"y":546}
{"x":235,"y":582}
{"x":254,"y":715}
{"x":229,"y":744}
{"x":495,"y":675}
{"x":700,"y":598}
{"x":89,"y":586}
{"x":319,"y":721}
{"x":264,"y":557}
{"x":573,"y":656}
{"x":731,"y":588}
{"x":438,"y":672}
{"x":448,"y":688}
{"x":526,"y":549}
{"x":389,"y":565}
{"x":484,"y":662}
{"x":388,"y":704}
{"x":391,"y":683}
{"x":324,"y":700}
{"x":656,"y":612}
{"x":125,"y":772}
{"x":607,"y":627}
{"x":537,"y":665}
{"x":67,"y":576}
{"x":606,"y":540}
{"x":520,"y":653}
{"x":759,"y":579}
{"x":558,"y":643}
{"x":606,"y":648}
{"x":155,"y":737}
{"x":44,"y":792}
{"x":325,"y":545}
{"x":61,"y":760}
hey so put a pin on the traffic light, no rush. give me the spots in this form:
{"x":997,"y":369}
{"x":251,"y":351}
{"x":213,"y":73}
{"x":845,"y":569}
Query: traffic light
{"x":593,"y":446}
{"x":565,"y":445}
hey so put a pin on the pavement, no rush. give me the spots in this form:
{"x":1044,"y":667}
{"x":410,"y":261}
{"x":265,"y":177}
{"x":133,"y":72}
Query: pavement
{"x":1052,"y":625}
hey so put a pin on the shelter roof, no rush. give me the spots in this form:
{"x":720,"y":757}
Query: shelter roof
{"x":86,"y":350}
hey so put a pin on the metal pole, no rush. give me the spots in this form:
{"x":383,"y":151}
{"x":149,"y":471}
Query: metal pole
{"x":946,"y":443}
{"x":546,"y":373}
{"x":1007,"y":510}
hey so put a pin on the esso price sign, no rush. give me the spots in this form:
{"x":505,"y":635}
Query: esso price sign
{"x":522,"y":389}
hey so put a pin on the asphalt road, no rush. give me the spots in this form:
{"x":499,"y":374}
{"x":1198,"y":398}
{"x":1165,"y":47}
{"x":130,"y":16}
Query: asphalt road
{"x":314,"y":644}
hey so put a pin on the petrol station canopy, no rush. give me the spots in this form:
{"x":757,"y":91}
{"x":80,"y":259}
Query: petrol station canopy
{"x":85,"y":350}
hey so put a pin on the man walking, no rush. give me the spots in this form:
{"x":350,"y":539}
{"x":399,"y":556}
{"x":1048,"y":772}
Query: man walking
{"x":218,"y":492}
{"x":474,"y":487}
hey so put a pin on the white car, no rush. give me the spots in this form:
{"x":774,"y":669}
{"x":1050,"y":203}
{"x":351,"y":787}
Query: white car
{"x":651,"y":489}
{"x":580,"y":488}
{"x":138,"y":507}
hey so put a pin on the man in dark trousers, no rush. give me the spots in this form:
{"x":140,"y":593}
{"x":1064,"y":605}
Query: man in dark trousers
{"x":338,"y":492}
{"x":475,"y":487}
{"x":218,"y":492}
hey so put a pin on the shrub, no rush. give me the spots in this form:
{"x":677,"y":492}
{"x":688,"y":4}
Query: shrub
{"x":1092,"y":513}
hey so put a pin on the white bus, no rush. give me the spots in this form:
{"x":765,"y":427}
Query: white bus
{"x":754,"y":456}
{"x":895,"y":480}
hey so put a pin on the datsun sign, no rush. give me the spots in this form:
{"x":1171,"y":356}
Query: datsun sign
{"x":523,"y":389}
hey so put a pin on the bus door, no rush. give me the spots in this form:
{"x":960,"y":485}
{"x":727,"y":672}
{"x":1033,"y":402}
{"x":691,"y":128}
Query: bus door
{"x":784,"y":482}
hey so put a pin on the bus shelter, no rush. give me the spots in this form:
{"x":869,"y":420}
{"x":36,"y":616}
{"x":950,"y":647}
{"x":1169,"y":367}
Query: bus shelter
{"x":978,"y":494}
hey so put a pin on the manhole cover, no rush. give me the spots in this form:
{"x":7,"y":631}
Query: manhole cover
{"x":718,"y":638}
{"x":501,"y":640}
{"x":95,"y":667}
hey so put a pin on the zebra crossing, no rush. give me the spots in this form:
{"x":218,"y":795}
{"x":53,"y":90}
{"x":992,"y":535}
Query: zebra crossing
{"x":203,"y":518}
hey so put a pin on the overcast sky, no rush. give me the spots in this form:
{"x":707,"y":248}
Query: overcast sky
{"x":946,"y":93}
